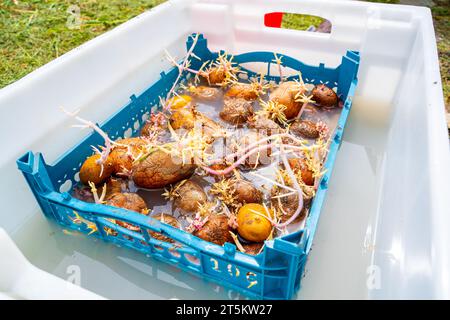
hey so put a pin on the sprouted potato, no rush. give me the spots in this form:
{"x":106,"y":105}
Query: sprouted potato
{"x":263,"y":124}
{"x":165,"y":218}
{"x":324,"y":96}
{"x":130,"y":201}
{"x":243,"y":90}
{"x":285,"y":95}
{"x":182,"y":119}
{"x":215,"y":230}
{"x":253,"y":248}
{"x":204,"y":92}
{"x":305,"y":128}
{"x":123,"y":154}
{"x":187,"y":196}
{"x":299,"y":165}
{"x":234,"y":192}
{"x":179,"y":102}
{"x":253,"y":222}
{"x":188,"y":119}
{"x":95,"y":172}
{"x":159,"y":169}
{"x":246,"y":192}
{"x":260,"y":188}
{"x":216,"y":76}
{"x":236,"y":111}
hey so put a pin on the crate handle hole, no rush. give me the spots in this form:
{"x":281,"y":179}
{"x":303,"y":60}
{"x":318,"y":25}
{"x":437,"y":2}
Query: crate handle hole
{"x":297,"y":21}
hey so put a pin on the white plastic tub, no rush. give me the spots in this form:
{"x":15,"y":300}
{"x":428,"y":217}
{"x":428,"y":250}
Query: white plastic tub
{"x":383,"y":229}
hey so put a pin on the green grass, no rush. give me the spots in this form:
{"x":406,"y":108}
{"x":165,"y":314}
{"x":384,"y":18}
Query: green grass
{"x":300,"y":21}
{"x":441,"y":17}
{"x":34,"y":32}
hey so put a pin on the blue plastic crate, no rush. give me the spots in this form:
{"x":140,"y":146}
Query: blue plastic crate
{"x":273,"y":274}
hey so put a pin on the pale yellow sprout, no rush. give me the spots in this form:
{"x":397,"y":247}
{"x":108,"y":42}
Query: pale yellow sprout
{"x":225,"y":64}
{"x":278,"y":61}
{"x":259,"y":85}
{"x":237,"y":242}
{"x":97,"y":199}
{"x":90,"y":225}
{"x":172,"y":192}
{"x":299,"y":86}
{"x":191,"y":146}
{"x":304,"y":99}
{"x":205,"y":209}
{"x":224,"y":191}
{"x":272,"y":110}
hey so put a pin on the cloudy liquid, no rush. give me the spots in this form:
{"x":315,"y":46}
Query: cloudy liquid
{"x":344,"y":234}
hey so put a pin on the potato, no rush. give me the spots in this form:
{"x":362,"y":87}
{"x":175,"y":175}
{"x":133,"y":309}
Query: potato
{"x":246,"y":192}
{"x":290,"y":210}
{"x":183,"y":119}
{"x":263,"y":125}
{"x":156,"y":134}
{"x":252,"y":224}
{"x":305,"y":128}
{"x":289,"y":205}
{"x":178,"y":102}
{"x":90,"y":170}
{"x":258,"y":158}
{"x":130,"y":201}
{"x":189,"y":195}
{"x":120,"y":157}
{"x":168,"y":219}
{"x":189,"y":119}
{"x":147,"y":129}
{"x":113,"y":185}
{"x":285,"y":94}
{"x":252,"y":248}
{"x":127,"y":200}
{"x":215,"y":230}
{"x":242,"y":90}
{"x":158,"y":170}
{"x":324,"y":96}
{"x":215,"y":76}
{"x":236,"y":110}
{"x":306,"y":174}
{"x":209,"y":127}
{"x":204,"y":92}
{"x":83,"y":193}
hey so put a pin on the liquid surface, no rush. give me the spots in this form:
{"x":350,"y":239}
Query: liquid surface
{"x":345,"y":234}
{"x":211,"y":105}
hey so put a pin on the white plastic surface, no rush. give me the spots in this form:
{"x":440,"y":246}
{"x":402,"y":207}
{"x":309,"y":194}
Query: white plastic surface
{"x":21,"y":280}
{"x":383,"y":229}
